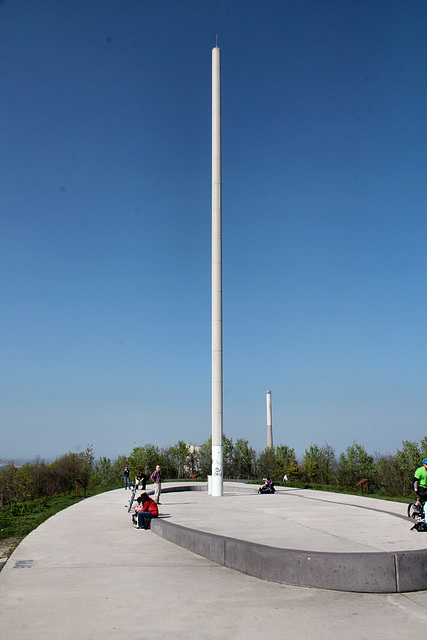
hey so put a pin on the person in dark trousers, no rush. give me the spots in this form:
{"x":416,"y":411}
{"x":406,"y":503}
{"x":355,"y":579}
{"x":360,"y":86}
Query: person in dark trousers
{"x":146,"y":508}
{"x":126,"y":477}
{"x":141,"y":481}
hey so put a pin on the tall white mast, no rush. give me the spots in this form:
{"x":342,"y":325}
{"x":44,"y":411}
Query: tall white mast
{"x":217,"y":393}
{"x":269,"y":421}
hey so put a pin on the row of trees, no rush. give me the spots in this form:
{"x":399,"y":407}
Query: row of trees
{"x":39,"y":479}
{"x":389,"y":474}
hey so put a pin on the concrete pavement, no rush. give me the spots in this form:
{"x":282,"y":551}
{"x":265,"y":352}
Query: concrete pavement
{"x":305,"y":538}
{"x":87,"y":573}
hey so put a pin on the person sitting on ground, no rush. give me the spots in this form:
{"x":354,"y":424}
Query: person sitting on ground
{"x":270,"y":483}
{"x":267,"y":487}
{"x":146,"y":508}
{"x":420,"y":482}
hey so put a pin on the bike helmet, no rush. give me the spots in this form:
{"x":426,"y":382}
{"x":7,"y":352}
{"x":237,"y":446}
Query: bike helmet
{"x":425,"y":461}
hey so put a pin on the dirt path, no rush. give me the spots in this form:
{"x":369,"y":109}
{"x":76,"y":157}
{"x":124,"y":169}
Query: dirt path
{"x":7,"y":546}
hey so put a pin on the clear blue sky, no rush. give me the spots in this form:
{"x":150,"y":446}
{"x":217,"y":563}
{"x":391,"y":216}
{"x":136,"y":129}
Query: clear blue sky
{"x":105,"y":205}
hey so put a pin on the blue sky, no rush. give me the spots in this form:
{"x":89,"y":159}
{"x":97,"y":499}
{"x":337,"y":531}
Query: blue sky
{"x":105,"y":207}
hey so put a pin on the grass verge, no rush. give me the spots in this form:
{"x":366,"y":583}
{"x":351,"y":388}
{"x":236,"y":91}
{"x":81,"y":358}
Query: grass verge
{"x":332,"y":488}
{"x":18,"y":520}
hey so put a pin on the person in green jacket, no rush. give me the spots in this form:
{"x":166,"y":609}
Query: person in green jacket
{"x":420,"y":482}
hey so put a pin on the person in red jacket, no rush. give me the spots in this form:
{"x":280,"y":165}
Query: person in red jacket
{"x":147,"y":508}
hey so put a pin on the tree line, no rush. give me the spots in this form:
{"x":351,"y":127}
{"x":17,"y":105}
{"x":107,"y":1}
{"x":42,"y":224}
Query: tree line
{"x":389,"y":474}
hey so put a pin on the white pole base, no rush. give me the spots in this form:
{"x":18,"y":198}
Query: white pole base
{"x":217,"y":470}
{"x":217,"y":486}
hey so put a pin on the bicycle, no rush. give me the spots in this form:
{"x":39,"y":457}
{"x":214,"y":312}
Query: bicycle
{"x":416,"y":511}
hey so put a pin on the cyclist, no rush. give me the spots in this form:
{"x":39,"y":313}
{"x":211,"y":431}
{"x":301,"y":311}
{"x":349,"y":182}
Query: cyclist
{"x":420,"y":483}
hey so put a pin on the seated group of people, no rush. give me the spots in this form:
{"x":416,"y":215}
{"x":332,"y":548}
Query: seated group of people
{"x":267,"y":487}
{"x":145,"y":509}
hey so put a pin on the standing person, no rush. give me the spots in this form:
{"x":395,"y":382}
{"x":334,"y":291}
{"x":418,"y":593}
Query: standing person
{"x":420,"y":482}
{"x":147,"y":509}
{"x":126,"y":477}
{"x":141,"y":481}
{"x":157,"y":479}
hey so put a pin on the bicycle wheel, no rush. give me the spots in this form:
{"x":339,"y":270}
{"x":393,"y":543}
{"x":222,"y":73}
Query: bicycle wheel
{"x":132,"y":498}
{"x":414,"y":511}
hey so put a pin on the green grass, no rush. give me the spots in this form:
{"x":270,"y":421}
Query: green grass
{"x":379,"y":495}
{"x":18,"y":520}
{"x":337,"y":489}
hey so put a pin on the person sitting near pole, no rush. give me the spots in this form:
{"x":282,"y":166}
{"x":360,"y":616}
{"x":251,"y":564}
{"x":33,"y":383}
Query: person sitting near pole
{"x":146,"y":509}
{"x":267,"y":487}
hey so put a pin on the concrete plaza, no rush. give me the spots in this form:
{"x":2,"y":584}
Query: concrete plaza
{"x":87,"y":573}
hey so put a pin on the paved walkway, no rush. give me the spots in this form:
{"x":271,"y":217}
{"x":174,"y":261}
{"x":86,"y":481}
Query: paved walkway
{"x":88,"y":574}
{"x":298,"y":519}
